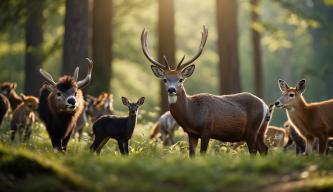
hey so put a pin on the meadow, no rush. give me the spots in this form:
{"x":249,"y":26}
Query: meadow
{"x":35,"y":166}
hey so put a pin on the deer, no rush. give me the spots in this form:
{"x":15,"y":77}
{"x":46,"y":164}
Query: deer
{"x":166,"y":125}
{"x":24,"y":117}
{"x":116,"y":127}
{"x":227,"y":118}
{"x":61,"y":104}
{"x":9,"y":90}
{"x":4,"y":107}
{"x":276,"y":136}
{"x":311,"y":120}
{"x":97,"y":107}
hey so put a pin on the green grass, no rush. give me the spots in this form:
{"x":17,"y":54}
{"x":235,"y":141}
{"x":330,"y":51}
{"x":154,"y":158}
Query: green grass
{"x":34,"y":166}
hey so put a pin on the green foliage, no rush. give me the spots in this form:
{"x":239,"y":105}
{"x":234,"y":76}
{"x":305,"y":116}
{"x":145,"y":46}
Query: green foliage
{"x":151,"y":167}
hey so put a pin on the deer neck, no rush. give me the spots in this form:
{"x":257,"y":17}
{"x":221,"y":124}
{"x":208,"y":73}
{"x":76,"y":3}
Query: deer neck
{"x":180,"y":109}
{"x":298,"y":112}
{"x":131,"y":122}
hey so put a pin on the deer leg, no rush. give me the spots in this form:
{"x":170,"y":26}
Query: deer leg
{"x":193,"y":141}
{"x":101,"y":145}
{"x":27,"y":133}
{"x":323,"y":145}
{"x":251,"y":144}
{"x":97,"y":141}
{"x":204,"y":143}
{"x":14,"y":129}
{"x":56,"y":143}
{"x":65,"y":141}
{"x":309,"y":145}
{"x":20,"y":132}
{"x":125,"y":145}
{"x":121,"y":147}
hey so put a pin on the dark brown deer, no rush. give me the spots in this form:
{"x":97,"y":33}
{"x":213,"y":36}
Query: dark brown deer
{"x":312,"y":120}
{"x":228,"y":118}
{"x":118,"y":128}
{"x":9,"y":90}
{"x":61,"y":103}
{"x":24,"y":117}
{"x":4,"y":107}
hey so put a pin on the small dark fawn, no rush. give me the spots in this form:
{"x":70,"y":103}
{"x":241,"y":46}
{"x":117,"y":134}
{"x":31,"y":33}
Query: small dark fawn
{"x":115,"y":127}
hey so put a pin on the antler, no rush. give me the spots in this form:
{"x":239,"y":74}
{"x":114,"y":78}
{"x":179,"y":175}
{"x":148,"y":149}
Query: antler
{"x":84,"y":82}
{"x":144,"y":44}
{"x":204,"y":35}
{"x":76,"y":73}
{"x":48,"y":77}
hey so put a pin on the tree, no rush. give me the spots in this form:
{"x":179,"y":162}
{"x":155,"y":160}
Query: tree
{"x":229,"y":70}
{"x":166,"y":40}
{"x":76,"y":36}
{"x":255,"y":37}
{"x":102,"y":46}
{"x":33,"y":47}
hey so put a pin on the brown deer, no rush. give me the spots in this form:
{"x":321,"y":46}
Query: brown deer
{"x":312,"y":120}
{"x":97,"y":107}
{"x":276,"y":136}
{"x":61,"y":104}
{"x":24,"y":117}
{"x":4,"y":107}
{"x":9,"y":90}
{"x":228,"y":118}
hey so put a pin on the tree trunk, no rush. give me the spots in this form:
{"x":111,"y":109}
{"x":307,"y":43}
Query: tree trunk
{"x":33,"y":48}
{"x":76,"y":37}
{"x":255,"y":35}
{"x":166,"y":41}
{"x":101,"y":46}
{"x":229,"y":70}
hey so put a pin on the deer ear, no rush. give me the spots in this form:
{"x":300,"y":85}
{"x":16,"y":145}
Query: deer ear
{"x":300,"y":88}
{"x":125,"y":101}
{"x":158,"y":72}
{"x":283,"y":85}
{"x":141,"y":101}
{"x":23,"y":97}
{"x":14,"y":85}
{"x":188,"y":71}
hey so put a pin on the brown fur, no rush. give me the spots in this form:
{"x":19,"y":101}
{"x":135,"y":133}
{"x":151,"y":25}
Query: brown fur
{"x":312,"y":120}
{"x":4,"y":107}
{"x":100,"y":106}
{"x":24,"y":117}
{"x":275,"y":136}
{"x":9,"y":90}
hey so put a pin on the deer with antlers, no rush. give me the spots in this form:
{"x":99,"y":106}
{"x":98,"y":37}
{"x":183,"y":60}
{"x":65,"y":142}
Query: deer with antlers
{"x":228,"y":118}
{"x":312,"y":120}
{"x":61,"y":103}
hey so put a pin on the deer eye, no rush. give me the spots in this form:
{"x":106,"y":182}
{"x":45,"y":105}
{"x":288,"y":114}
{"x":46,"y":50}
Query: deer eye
{"x":58,"y":94}
{"x":164,"y":80}
{"x":181,"y":80}
{"x":291,"y":94}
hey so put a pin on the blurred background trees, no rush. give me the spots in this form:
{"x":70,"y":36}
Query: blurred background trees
{"x":251,"y":44}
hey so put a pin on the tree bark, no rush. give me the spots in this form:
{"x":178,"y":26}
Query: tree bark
{"x":101,"y":46}
{"x":33,"y":48}
{"x":229,"y":67}
{"x":257,"y":64}
{"x":76,"y":37}
{"x":166,"y":41}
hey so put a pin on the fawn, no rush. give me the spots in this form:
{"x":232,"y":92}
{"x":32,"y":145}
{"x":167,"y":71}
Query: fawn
{"x":312,"y":120}
{"x":118,"y":128}
{"x":23,"y":117}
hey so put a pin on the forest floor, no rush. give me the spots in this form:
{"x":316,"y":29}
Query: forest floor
{"x":35,"y":166}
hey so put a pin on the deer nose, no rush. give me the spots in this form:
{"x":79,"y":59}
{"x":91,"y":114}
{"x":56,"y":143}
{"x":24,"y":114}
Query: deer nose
{"x":171,"y":90}
{"x":277,"y":103}
{"x":71,"y":101}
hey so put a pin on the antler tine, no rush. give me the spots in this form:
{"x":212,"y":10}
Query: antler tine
{"x":166,"y":61}
{"x":180,"y":62}
{"x":145,"y":50}
{"x":47,"y":77}
{"x":204,"y":35}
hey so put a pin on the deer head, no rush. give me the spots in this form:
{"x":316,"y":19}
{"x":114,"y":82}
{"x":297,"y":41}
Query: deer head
{"x":30,"y":101}
{"x":173,"y":78}
{"x":66,"y":89}
{"x":290,"y":95}
{"x":8,"y":88}
{"x":133,"y":107}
